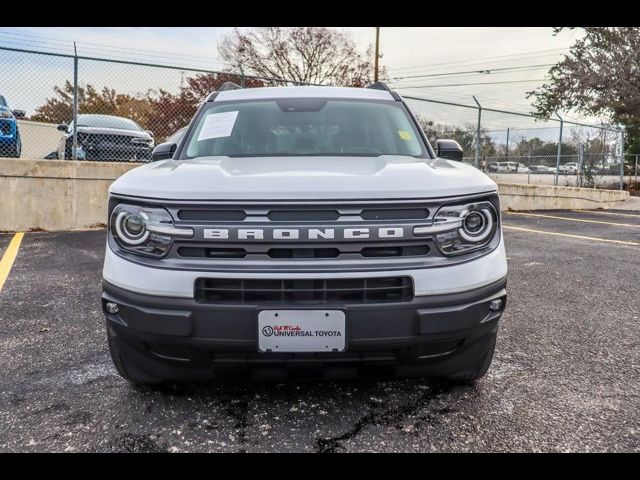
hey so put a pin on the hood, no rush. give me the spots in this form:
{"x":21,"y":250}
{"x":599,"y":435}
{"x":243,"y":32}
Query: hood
{"x":312,"y":178}
{"x":113,"y":131}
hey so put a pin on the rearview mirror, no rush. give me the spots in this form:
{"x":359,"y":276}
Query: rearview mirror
{"x":163,"y":151}
{"x":19,"y":113}
{"x":449,"y":149}
{"x":62,"y":127}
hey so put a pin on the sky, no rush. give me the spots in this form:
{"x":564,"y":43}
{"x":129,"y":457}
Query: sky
{"x":443,"y":63}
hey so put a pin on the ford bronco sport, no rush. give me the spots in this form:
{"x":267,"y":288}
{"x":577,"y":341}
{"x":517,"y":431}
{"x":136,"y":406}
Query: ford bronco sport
{"x":303,"y":231}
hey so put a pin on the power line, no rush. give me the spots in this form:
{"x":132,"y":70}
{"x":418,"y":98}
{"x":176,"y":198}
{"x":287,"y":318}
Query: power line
{"x":477,"y":83}
{"x":485,"y":71}
{"x":483,"y":59}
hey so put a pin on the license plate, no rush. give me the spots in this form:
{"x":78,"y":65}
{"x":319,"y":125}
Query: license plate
{"x":301,"y":331}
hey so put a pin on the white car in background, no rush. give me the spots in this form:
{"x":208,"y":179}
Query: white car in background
{"x":507,"y":167}
{"x":570,"y":168}
{"x":541,"y":169}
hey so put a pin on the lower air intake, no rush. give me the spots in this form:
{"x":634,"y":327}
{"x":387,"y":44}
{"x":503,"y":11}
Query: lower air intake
{"x":346,"y":290}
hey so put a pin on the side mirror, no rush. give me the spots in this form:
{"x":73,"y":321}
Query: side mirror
{"x":163,"y":151}
{"x":449,"y":149}
{"x":19,"y":113}
{"x":149,"y":132}
{"x":63,"y":128}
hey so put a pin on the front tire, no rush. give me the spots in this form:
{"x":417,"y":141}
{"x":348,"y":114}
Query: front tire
{"x":125,"y":368}
{"x":478,"y":368}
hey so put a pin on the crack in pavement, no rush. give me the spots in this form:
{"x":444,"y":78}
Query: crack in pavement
{"x":383,"y":417}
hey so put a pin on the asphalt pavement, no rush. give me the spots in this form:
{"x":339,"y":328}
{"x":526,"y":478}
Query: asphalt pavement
{"x":565,"y":376}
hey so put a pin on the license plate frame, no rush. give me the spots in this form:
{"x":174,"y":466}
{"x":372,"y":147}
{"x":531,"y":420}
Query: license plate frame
{"x":301,"y":331}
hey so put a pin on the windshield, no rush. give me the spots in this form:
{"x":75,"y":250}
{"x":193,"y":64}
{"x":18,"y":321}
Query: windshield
{"x":304,"y":127}
{"x":106,"y":121}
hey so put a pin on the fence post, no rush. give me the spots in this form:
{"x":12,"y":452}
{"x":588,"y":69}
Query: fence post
{"x":507,"y":149}
{"x":478,"y":130}
{"x":241,"y":75}
{"x":622,"y":157}
{"x":529,"y":165}
{"x":559,"y":149}
{"x":635,"y":170}
{"x":74,"y":149}
{"x":580,"y":164}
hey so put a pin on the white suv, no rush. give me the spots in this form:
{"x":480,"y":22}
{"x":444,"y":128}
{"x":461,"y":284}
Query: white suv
{"x":303,"y":231}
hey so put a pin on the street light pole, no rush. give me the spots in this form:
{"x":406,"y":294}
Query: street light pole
{"x":375,"y":71}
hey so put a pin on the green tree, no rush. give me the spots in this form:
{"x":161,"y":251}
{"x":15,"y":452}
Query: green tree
{"x":599,"y":76}
{"x":465,"y":135}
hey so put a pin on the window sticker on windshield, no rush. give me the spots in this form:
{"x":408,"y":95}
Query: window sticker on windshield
{"x":404,"y":135}
{"x":218,"y":125}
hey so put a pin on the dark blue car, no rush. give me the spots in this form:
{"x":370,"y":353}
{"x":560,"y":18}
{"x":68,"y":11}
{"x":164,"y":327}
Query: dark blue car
{"x":10,"y":143}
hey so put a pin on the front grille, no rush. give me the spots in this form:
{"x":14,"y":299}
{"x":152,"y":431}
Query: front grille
{"x":106,"y":140}
{"x":318,"y":291}
{"x":395,"y":214}
{"x":202,"y":252}
{"x":276,"y":253}
{"x":312,"y":214}
{"x":212,"y":215}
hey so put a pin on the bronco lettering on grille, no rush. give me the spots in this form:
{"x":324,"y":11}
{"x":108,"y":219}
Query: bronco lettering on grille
{"x":289,"y":234}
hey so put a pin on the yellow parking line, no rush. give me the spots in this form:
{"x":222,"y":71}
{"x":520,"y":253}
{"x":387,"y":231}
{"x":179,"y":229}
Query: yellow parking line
{"x":582,"y":237}
{"x":608,"y":213}
{"x":573,"y":219}
{"x":9,"y":256}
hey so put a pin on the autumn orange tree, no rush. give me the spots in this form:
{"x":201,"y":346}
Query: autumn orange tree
{"x":159,"y":111}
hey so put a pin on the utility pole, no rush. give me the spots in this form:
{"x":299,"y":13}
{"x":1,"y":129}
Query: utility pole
{"x":375,"y":71}
{"x":477,"y":155}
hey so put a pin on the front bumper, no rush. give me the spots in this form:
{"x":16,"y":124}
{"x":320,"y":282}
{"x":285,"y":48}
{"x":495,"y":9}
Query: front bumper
{"x":181,"y":339}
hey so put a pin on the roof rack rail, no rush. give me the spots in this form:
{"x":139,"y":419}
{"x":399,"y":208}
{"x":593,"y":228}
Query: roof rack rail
{"x":223,"y":88}
{"x":384,"y":86}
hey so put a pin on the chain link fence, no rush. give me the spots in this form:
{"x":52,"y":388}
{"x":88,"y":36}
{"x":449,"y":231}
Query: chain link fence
{"x":522,"y":148}
{"x":56,"y":106}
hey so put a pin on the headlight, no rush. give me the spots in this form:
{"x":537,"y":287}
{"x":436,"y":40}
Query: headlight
{"x":144,"y":230}
{"x":459,"y":229}
{"x":6,"y":114}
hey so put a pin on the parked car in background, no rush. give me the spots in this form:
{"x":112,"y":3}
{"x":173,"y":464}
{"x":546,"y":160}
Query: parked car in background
{"x":107,"y":138}
{"x":508,"y":167}
{"x":500,"y":167}
{"x":570,"y":168}
{"x":541,"y":169}
{"x":10,"y":142}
